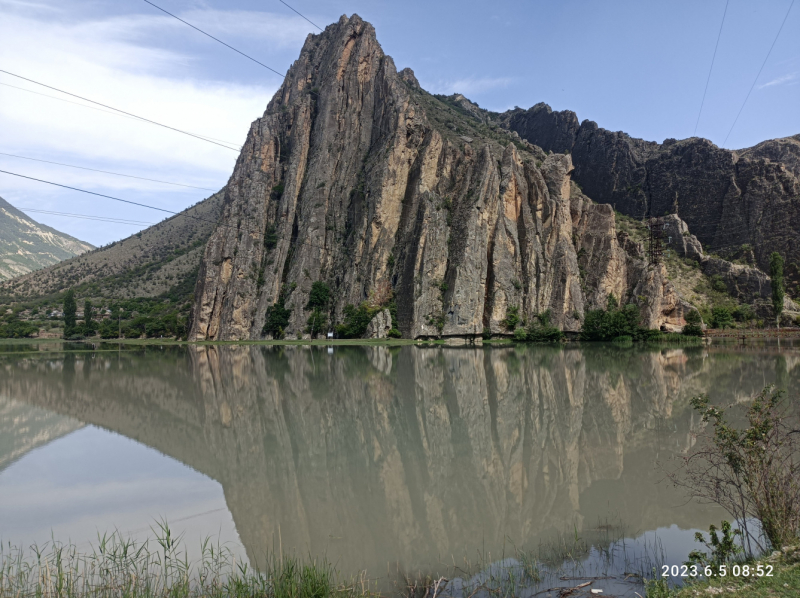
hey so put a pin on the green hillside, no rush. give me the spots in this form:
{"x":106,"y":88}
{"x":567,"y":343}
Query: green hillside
{"x":26,"y":245}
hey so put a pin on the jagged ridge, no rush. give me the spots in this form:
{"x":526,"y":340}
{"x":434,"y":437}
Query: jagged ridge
{"x":367,"y":181}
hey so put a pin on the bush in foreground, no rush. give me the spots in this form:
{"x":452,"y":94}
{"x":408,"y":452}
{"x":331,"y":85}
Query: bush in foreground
{"x":753,"y":472}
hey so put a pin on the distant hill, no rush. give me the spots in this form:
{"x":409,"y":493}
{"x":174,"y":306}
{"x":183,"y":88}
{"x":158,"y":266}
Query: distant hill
{"x":146,"y":264}
{"x":26,"y":245}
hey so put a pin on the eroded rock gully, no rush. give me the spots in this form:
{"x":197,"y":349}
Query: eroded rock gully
{"x":348,"y":178}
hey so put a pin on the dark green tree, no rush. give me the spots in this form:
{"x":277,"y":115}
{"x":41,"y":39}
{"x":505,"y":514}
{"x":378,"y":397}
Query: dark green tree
{"x":89,"y":325}
{"x":693,"y":321}
{"x":356,"y":320}
{"x":776,"y":274}
{"x":70,"y":309}
{"x":612,"y":322}
{"x":319,"y":296}
{"x":277,"y":317}
{"x":721,"y":317}
{"x":316,"y":322}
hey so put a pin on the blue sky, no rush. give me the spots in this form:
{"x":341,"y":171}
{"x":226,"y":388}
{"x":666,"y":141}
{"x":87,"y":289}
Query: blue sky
{"x":635,"y":66}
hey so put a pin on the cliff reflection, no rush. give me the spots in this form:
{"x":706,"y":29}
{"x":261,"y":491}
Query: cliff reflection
{"x":378,"y":455}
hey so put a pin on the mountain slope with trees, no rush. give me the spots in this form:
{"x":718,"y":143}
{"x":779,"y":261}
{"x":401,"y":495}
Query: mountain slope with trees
{"x":26,"y":245}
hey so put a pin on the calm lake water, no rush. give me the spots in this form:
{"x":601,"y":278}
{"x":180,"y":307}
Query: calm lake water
{"x":383,"y":459}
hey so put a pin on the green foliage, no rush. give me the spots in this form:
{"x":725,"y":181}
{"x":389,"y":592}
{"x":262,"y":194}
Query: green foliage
{"x":70,"y":309}
{"x":539,"y":330}
{"x":613,"y":322}
{"x":718,"y":284}
{"x":89,"y":326}
{"x":778,"y":290}
{"x":743,"y":313}
{"x":721,"y":317}
{"x":356,"y":320}
{"x":693,"y":317}
{"x":721,"y":549}
{"x":270,"y":237}
{"x":693,"y":323}
{"x":109,"y":329}
{"x":754,"y":471}
{"x":12,"y":327}
{"x":512,"y":318}
{"x":319,"y":297}
{"x":394,"y":333}
{"x":692,"y":330}
{"x":277,"y":317}
{"x":158,"y":567}
{"x":316,"y":322}
{"x":277,"y":192}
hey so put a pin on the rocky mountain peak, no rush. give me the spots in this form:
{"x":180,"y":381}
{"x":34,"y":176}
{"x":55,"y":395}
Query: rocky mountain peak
{"x":357,"y":177}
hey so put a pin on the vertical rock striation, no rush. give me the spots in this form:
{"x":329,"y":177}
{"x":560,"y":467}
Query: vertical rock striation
{"x":356,"y":176}
{"x":728,"y":198}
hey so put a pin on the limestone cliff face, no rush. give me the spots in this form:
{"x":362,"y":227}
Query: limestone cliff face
{"x":357,"y":177}
{"x":728,"y":198}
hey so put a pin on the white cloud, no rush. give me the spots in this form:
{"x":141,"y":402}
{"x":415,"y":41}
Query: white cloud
{"x":788,"y":78}
{"x":109,"y":60}
{"x":471,"y":85}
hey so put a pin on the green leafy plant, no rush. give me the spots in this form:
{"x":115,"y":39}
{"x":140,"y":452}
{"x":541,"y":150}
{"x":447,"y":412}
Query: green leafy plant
{"x":753,"y":472}
{"x":277,"y":317}
{"x":721,"y":317}
{"x":277,"y":192}
{"x":721,"y":549}
{"x":693,"y":324}
{"x":356,"y":320}
{"x":270,"y":237}
{"x":319,"y":296}
{"x":70,"y":309}
{"x":512,"y":318}
{"x":613,"y":322}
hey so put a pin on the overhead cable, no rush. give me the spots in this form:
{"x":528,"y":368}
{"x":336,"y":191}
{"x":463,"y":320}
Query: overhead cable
{"x":711,"y":68}
{"x":759,"y":72}
{"x":206,"y":139}
{"x":129,"y":176}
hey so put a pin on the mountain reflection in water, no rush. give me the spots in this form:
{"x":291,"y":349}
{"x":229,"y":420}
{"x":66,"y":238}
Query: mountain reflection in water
{"x":408,"y":455}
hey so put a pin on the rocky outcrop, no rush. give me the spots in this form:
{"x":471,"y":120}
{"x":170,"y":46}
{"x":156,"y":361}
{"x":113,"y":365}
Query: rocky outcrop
{"x":743,"y":282}
{"x":728,"y":198}
{"x":380,"y":325}
{"x":357,"y":177}
{"x":677,"y":237}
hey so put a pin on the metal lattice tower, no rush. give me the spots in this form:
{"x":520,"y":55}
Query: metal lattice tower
{"x":654,"y":248}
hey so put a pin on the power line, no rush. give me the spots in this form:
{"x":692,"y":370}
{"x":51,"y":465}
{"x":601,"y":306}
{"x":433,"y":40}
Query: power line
{"x":711,"y":68}
{"x":184,"y":213}
{"x":759,"y":72}
{"x":215,"y":39}
{"x":206,"y":139}
{"x":292,"y":9}
{"x":130,"y":176}
{"x":87,"y":217}
{"x":44,"y":95}
{"x":142,"y":205}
